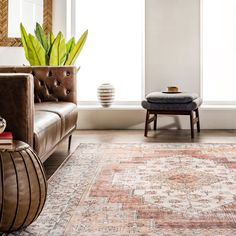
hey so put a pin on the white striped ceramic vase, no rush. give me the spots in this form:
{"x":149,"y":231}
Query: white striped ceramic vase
{"x":106,"y":94}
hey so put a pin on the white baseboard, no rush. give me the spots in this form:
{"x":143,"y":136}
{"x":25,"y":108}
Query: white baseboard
{"x":134,"y":119}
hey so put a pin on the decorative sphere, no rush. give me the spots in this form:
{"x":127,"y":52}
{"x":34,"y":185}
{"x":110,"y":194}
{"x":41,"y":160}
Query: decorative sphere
{"x":3,"y":124}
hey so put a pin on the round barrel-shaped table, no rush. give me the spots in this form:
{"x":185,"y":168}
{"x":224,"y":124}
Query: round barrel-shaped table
{"x":23,"y":187}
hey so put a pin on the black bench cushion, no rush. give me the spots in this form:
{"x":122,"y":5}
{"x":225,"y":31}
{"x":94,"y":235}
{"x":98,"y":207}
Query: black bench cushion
{"x":173,"y":98}
{"x":172,"y":106}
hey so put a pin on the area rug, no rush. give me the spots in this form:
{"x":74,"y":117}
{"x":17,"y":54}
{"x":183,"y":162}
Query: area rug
{"x":142,"y":189}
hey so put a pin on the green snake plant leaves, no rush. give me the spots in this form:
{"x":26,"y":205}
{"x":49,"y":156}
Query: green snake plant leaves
{"x":58,"y":51}
{"x":36,"y":52}
{"x":24,"y":39}
{"x":44,"y":49}
{"x":40,"y":35}
{"x":70,"y":45}
{"x":50,"y":39}
{"x":74,"y":53}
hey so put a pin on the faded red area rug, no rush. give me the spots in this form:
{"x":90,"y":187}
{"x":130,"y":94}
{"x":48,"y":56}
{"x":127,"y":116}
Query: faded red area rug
{"x":142,"y":189}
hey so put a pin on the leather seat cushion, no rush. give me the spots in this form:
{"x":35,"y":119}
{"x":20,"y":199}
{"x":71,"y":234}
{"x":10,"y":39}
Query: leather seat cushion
{"x":67,"y":111}
{"x":47,"y":131}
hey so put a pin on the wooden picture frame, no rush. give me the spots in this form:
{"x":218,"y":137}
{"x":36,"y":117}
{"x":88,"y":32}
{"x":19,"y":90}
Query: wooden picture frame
{"x":16,"y":42}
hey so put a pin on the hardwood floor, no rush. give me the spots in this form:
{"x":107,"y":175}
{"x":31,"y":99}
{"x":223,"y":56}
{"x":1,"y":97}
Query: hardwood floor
{"x":134,"y":136}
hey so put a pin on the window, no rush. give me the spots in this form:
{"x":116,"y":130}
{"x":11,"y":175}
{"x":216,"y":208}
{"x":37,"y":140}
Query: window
{"x":26,"y":11}
{"x":219,"y":51}
{"x":113,"y":52}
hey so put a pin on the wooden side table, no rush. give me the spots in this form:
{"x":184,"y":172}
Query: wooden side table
{"x":23,"y":187}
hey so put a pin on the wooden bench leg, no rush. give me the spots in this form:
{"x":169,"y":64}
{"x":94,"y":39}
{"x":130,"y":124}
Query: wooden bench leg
{"x":192,"y":124}
{"x":155,"y":122}
{"x":193,"y":120}
{"x":198,"y":122}
{"x":146,"y":124}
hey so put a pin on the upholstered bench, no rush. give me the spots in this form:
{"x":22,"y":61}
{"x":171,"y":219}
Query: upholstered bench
{"x":172,"y":104}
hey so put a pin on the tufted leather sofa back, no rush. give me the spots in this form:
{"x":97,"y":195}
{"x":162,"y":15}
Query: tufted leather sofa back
{"x":51,"y":83}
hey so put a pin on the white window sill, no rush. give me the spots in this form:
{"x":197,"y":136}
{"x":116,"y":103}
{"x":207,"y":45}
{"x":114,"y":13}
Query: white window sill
{"x":139,"y":107}
{"x":217,"y":107}
{"x":112,"y":107}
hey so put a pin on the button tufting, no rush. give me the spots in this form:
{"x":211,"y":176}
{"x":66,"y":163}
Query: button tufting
{"x":49,"y":73}
{"x":67,"y":91}
{"x":41,"y":82}
{"x":68,"y":73}
{"x":56,"y":83}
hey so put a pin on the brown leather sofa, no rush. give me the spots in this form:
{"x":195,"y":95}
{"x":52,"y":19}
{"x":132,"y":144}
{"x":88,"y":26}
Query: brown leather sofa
{"x":39,"y":105}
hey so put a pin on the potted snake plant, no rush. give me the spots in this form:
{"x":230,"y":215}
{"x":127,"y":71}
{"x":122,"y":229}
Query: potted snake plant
{"x":44,"y":49}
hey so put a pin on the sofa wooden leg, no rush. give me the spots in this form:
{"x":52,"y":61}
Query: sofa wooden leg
{"x":198,"y":122}
{"x":69,"y":142}
{"x":192,"y":124}
{"x":146,"y":124}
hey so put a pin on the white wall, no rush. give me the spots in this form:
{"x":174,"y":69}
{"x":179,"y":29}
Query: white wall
{"x":12,"y":56}
{"x":172,"y":44}
{"x":59,"y":16}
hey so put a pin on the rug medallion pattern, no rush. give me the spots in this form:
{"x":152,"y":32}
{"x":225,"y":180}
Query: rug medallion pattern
{"x":142,"y":189}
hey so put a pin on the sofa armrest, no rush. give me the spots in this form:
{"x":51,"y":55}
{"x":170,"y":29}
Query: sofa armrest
{"x":17,"y":105}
